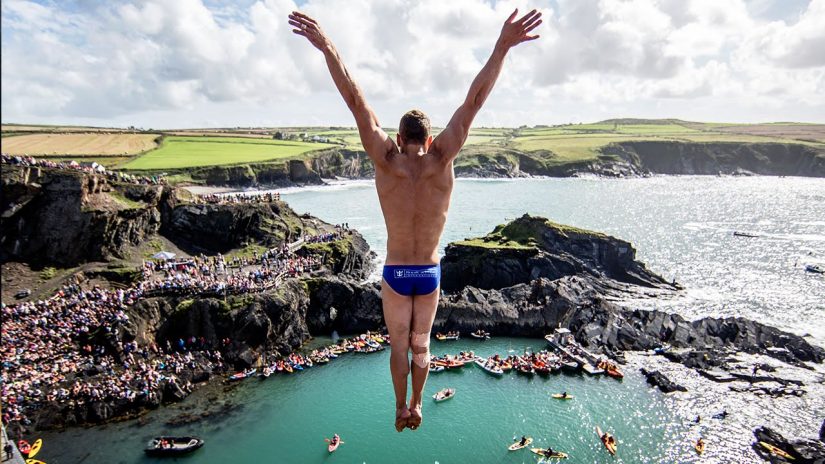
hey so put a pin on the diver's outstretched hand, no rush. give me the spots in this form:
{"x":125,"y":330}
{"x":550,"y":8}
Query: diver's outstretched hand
{"x":309,"y":28}
{"x":516,"y":32}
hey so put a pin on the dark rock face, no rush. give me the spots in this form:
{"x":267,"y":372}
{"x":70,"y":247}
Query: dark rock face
{"x":657,"y":379}
{"x":253,"y":324}
{"x":343,"y":163}
{"x":219,"y":228}
{"x":279,"y":320}
{"x":344,"y":306}
{"x":551,"y":251}
{"x":803,"y":451}
{"x":63,"y":219}
{"x":666,"y":157}
{"x":568,"y":278}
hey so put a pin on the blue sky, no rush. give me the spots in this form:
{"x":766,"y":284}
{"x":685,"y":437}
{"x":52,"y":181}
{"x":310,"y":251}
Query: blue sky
{"x":207,"y":63}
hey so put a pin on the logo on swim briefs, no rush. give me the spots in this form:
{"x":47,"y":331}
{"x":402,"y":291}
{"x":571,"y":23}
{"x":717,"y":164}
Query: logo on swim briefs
{"x":414,"y":273}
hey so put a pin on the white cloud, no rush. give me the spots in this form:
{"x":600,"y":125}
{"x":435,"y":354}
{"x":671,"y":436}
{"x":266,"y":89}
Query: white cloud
{"x":184,"y":63}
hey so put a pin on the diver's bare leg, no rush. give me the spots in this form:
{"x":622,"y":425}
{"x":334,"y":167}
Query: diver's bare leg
{"x":398,"y":317}
{"x":423,"y":314}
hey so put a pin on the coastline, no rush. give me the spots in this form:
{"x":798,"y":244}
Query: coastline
{"x":308,"y":301}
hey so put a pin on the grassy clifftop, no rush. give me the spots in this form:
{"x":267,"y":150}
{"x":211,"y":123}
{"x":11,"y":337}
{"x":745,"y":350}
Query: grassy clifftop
{"x":559,"y":150}
{"x":525,"y":233}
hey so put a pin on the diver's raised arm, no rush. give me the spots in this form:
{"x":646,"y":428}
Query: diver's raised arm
{"x":450,"y":141}
{"x":376,"y":142}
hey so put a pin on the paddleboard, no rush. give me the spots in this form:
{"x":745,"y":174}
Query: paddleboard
{"x":556,"y":454}
{"x":517,"y":446}
{"x":35,"y":448}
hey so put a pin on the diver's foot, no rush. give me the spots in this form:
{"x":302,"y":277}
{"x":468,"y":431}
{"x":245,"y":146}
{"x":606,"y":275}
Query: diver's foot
{"x":415,"y":417}
{"x":402,"y":417}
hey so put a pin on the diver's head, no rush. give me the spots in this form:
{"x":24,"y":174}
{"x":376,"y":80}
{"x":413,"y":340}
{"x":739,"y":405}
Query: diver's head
{"x":414,"y":130}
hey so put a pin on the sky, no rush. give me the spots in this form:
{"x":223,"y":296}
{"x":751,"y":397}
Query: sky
{"x":168,"y":64}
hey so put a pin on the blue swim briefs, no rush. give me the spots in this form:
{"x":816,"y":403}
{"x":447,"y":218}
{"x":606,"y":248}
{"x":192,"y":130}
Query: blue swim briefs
{"x":409,"y":280}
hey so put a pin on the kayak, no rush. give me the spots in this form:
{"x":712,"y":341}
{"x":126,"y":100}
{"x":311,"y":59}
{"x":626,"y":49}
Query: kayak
{"x":484,"y":336}
{"x":333,"y":446}
{"x":444,"y":395}
{"x":555,"y":455}
{"x":559,"y":396}
{"x":615,"y":373}
{"x":482,"y":363}
{"x":34,"y":461}
{"x":434,"y":368}
{"x":699,"y":447}
{"x":525,"y":369}
{"x":517,"y":445}
{"x":172,"y":446}
{"x":611,"y":448}
{"x":35,"y":448}
{"x":24,"y":447}
{"x":777,"y":451}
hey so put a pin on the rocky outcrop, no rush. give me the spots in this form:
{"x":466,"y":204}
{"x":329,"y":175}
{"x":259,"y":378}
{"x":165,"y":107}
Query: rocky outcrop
{"x":807,"y":451}
{"x":533,"y":247}
{"x":277,"y":321}
{"x":219,"y":228}
{"x":65,"y":218}
{"x":670,"y":157}
{"x":537,"y":276}
{"x":622,"y":159}
{"x":659,"y":380}
{"x":343,"y":305}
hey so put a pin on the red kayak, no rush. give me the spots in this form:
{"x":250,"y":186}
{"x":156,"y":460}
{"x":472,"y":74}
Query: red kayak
{"x":24,"y":447}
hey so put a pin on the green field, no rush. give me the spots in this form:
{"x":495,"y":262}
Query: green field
{"x":185,"y":152}
{"x":547,"y":145}
{"x":579,"y":142}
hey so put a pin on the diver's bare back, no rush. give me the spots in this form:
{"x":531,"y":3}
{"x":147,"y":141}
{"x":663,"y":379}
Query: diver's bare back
{"x":414,"y":192}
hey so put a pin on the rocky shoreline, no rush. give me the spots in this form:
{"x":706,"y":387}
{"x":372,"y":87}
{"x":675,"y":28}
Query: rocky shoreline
{"x":525,"y":278}
{"x":617,"y":160}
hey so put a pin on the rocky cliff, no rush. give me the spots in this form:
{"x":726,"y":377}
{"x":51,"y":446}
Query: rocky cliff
{"x":66,"y":218}
{"x":63,"y":218}
{"x":530,"y":276}
{"x":529,"y":248}
{"x":669,"y":157}
{"x":621,"y":159}
{"x":279,"y":321}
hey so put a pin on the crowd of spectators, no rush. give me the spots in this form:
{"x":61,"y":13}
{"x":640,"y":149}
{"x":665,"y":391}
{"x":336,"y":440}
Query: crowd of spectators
{"x":238,"y":198}
{"x":67,"y":348}
{"x":90,"y":167}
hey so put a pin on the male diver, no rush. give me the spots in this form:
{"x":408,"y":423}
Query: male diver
{"x":414,"y":179}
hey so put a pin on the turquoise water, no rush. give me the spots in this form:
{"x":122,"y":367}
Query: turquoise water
{"x":682,"y":228}
{"x":284,"y":419}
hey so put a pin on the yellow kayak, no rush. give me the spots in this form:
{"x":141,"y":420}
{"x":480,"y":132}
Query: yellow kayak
{"x":559,"y":396}
{"x":777,"y":451}
{"x":699,"y":447}
{"x":517,"y":445}
{"x":35,"y":448}
{"x":611,"y":447}
{"x":34,"y":461}
{"x":555,"y":455}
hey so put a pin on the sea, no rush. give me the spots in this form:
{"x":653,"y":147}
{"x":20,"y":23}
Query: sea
{"x":682,"y":228}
